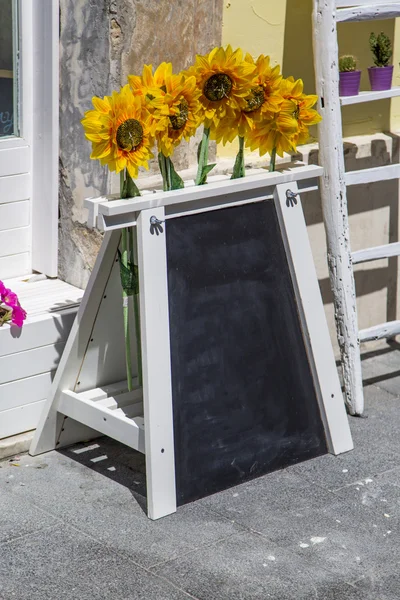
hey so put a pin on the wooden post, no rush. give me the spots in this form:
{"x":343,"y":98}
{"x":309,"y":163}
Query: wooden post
{"x":334,"y":201}
{"x":157,"y":391}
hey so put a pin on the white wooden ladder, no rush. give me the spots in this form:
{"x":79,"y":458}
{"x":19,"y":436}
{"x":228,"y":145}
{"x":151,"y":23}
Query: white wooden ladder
{"x":326,"y":15}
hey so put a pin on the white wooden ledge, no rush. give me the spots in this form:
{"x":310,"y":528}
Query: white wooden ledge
{"x":111,"y":212}
{"x":370,"y":96}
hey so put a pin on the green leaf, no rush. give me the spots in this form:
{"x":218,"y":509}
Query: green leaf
{"x":131,"y":188}
{"x":129,"y":276}
{"x":205,"y":172}
{"x":176,"y":180}
{"x":124,"y":191}
{"x":238,"y":166}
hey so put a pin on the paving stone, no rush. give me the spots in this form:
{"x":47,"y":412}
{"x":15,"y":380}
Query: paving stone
{"x":108,"y":511}
{"x":256,"y":504}
{"x":337,"y":538}
{"x":18,"y":517}
{"x":378,"y":586}
{"x":62,"y":563}
{"x":247,"y":566}
{"x":372,"y":454}
{"x":383,"y":370}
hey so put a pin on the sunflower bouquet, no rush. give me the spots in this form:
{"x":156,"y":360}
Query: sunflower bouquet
{"x":227,"y":93}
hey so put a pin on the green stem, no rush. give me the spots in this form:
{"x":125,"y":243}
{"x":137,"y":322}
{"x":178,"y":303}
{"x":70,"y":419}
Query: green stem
{"x":168,"y":169}
{"x":163,"y":169}
{"x":136,"y":307}
{"x":273,"y":160}
{"x":241,"y":152}
{"x":125,"y":308}
{"x":203,"y":155}
{"x":138,"y":338}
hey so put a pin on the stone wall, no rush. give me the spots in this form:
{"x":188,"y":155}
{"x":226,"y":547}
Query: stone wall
{"x":101,"y":41}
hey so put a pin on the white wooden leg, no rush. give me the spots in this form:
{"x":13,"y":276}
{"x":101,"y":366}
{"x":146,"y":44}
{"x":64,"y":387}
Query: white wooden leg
{"x":311,"y":310}
{"x":334,"y":201}
{"x":51,"y":424}
{"x":157,"y":393}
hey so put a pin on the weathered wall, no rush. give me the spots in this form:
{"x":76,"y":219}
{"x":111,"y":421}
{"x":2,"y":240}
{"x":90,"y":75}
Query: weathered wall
{"x":101,"y":41}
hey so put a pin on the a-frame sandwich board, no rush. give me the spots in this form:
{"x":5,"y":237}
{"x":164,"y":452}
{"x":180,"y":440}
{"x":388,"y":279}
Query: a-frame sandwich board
{"x":89,"y":395}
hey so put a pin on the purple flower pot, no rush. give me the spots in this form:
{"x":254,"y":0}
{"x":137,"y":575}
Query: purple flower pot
{"x":380,"y":78}
{"x":349,"y":83}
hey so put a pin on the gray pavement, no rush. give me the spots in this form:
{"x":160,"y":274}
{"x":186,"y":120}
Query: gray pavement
{"x":73,"y":527}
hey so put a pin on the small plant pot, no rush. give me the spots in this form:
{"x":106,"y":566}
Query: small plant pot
{"x":349,"y":83}
{"x":380,"y":78}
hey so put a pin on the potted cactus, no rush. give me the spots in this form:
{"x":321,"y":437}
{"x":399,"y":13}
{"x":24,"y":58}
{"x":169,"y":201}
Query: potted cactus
{"x":381,"y":74}
{"x":349,"y":76}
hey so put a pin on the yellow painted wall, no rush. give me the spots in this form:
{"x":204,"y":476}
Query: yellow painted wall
{"x":283,"y":29}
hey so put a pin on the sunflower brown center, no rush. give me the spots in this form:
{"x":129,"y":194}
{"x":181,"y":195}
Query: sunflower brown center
{"x":296,"y":112}
{"x":178,"y":121}
{"x":129,"y":135}
{"x":217,"y":87}
{"x":255,"y":100}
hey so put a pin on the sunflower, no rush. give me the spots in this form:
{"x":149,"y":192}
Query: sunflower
{"x":119,"y":128}
{"x":151,"y":86}
{"x":301,"y":106}
{"x":274,"y":131}
{"x":180,"y":115}
{"x":174,"y":103}
{"x":264,"y":97}
{"x":225,"y":79}
{"x":289,"y":127}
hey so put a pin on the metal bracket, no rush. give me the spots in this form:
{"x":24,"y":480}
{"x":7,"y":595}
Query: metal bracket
{"x":291,"y":198}
{"x":155,"y":226}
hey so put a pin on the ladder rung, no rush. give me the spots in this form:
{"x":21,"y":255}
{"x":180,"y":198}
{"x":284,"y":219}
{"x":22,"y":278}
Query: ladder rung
{"x":370,"y":96}
{"x":376,"y":253}
{"x":384,"y":173}
{"x":356,"y":3}
{"x":380,"y":332}
{"x":368,"y":12}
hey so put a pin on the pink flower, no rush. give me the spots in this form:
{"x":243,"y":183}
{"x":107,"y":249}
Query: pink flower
{"x":18,"y":315}
{"x":10,"y":299}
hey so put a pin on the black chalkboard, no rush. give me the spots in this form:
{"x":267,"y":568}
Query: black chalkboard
{"x":244,"y":400}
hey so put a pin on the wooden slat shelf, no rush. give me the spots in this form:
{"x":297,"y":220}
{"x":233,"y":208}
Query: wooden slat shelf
{"x":119,"y":416}
{"x":370,"y":96}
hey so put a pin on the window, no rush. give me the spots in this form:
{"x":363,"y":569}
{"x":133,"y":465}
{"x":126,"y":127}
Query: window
{"x":8,"y":68}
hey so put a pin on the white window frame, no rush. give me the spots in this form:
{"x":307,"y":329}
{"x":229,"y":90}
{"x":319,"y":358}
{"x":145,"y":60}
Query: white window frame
{"x":34,"y":152}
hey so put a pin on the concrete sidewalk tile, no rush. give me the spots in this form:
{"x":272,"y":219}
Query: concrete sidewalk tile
{"x":383,"y":371}
{"x":260,"y":500}
{"x":376,"y":497}
{"x":63,"y":563}
{"x":247,"y":566}
{"x":370,"y":457}
{"x":109,"y":511}
{"x":381,"y":583}
{"x":19,"y":517}
{"x":336,"y":538}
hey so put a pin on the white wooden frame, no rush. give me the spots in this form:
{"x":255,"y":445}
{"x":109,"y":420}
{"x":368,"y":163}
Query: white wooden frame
{"x":105,"y":407}
{"x":45,"y":143}
{"x":29,"y":162}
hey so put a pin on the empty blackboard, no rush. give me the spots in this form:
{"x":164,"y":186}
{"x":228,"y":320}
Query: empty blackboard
{"x":244,"y":400}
